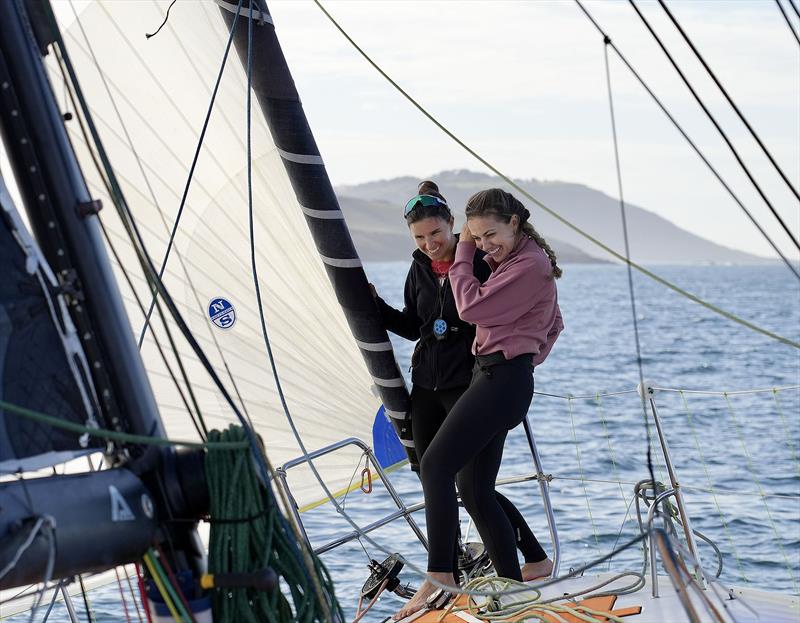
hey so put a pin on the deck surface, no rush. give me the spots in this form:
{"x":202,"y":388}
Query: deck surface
{"x":641,"y":607}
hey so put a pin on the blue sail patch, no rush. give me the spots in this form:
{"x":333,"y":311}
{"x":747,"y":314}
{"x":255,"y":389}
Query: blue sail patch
{"x":385,"y":443}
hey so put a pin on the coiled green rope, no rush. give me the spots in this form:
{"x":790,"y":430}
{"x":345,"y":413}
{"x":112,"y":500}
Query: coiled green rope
{"x":248,"y":534}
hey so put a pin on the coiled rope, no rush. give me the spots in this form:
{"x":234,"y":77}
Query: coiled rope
{"x":247,"y":536}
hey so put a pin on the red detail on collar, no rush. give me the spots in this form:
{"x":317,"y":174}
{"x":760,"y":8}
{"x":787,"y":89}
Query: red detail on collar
{"x":440,"y":269}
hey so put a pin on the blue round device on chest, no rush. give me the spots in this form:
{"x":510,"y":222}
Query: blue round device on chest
{"x":439,"y":329}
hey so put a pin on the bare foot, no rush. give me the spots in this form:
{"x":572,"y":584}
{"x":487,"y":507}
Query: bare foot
{"x":417,"y":602}
{"x":533,"y":570}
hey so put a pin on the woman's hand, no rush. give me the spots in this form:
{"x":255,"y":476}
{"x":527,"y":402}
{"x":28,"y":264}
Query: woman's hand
{"x":466,"y":234}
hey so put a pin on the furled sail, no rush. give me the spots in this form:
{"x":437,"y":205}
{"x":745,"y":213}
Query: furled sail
{"x":150,"y":113}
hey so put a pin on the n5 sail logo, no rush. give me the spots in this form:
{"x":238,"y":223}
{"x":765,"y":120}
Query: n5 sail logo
{"x":222,"y":313}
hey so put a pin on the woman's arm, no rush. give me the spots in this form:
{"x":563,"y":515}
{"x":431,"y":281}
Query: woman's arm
{"x":404,"y":323}
{"x":504,"y":298}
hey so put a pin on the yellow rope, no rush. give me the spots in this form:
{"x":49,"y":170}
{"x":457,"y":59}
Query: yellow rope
{"x":787,"y":431}
{"x":161,"y":589}
{"x":711,"y":488}
{"x":580,"y":470}
{"x":610,"y":448}
{"x":760,"y":490}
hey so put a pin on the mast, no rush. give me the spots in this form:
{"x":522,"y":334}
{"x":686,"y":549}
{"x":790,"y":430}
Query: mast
{"x":64,"y":220}
{"x":280,"y":104}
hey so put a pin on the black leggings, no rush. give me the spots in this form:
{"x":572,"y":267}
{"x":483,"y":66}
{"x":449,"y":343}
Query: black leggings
{"x":461,"y":434}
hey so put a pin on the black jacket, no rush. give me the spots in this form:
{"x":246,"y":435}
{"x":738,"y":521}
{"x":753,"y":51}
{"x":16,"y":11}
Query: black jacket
{"x":435,"y":364}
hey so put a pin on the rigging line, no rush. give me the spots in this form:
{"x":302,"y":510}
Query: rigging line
{"x":726,"y":492}
{"x":552,"y":212}
{"x":728,"y":97}
{"x":716,"y":125}
{"x":157,"y":342}
{"x":298,"y":438}
{"x":610,"y":447}
{"x":153,"y":197}
{"x":127,"y":276}
{"x":788,"y":21}
{"x":621,"y":526}
{"x":729,"y":393}
{"x":167,"y":147}
{"x":52,"y":601}
{"x":188,"y":124}
{"x":711,"y":487}
{"x":119,"y":200}
{"x":751,"y":468}
{"x":51,"y":561}
{"x":133,"y":594}
{"x":639,"y":365}
{"x":585,"y":396}
{"x":259,"y":172}
{"x":796,"y":10}
{"x":580,"y":469}
{"x":691,"y":143}
{"x":89,"y":610}
{"x":304,"y":545}
{"x":122,"y":596}
{"x":787,"y":432}
{"x":191,"y":172}
{"x":103,"y":433}
{"x":166,"y":17}
{"x":37,"y":526}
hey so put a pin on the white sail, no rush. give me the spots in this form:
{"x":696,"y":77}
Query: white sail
{"x":161,"y":89}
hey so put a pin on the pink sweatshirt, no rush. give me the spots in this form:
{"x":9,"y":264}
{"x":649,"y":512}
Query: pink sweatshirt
{"x":516,"y":310}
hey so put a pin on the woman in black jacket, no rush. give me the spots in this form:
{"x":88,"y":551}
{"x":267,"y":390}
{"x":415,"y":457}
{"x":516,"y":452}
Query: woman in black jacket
{"x":442,"y":361}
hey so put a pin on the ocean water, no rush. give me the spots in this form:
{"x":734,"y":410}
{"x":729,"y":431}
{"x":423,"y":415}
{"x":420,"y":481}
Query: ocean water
{"x":736,"y":455}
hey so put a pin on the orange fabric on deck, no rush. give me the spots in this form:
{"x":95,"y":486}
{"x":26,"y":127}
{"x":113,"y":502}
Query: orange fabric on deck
{"x":602,"y":604}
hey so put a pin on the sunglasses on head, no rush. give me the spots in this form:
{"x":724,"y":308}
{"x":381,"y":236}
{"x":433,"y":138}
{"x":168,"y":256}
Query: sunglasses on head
{"x":425,"y":201}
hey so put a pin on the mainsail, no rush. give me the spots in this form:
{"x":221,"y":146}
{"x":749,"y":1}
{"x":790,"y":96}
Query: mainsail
{"x":150,"y":113}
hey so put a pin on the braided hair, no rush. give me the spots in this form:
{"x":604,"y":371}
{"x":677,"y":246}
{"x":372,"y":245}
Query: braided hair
{"x":422,"y":212}
{"x":504,"y":205}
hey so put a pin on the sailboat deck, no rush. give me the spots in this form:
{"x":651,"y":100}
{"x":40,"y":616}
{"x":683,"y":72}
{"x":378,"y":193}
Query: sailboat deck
{"x":749,"y":605}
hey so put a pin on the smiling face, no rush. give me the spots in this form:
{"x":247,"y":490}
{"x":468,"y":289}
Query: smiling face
{"x":434,"y":237}
{"x":494,"y":236}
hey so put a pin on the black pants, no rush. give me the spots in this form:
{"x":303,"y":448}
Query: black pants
{"x":461,"y":434}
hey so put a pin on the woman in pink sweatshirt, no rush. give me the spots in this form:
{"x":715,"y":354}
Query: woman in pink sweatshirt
{"x":517,"y":321}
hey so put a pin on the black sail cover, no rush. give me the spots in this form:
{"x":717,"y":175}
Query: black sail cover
{"x":34,"y":370}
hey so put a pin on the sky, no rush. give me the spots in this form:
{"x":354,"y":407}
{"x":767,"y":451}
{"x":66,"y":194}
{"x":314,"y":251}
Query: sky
{"x":523,"y":83}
